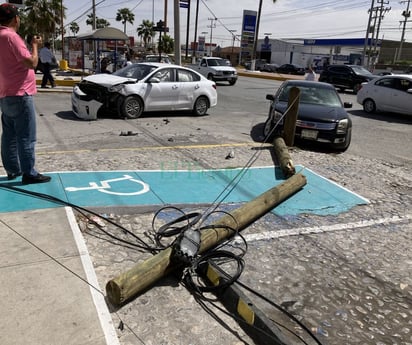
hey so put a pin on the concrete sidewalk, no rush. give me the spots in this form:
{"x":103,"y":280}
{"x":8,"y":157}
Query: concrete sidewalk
{"x":49,"y":293}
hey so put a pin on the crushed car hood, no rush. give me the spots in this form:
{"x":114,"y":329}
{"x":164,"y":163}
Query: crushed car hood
{"x":108,"y":80}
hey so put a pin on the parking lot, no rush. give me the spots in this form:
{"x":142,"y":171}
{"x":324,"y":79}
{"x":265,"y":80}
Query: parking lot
{"x":346,"y":276}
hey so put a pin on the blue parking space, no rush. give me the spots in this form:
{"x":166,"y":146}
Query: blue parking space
{"x":133,"y":188}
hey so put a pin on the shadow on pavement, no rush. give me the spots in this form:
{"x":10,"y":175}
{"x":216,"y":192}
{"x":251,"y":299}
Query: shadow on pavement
{"x":387,"y":117}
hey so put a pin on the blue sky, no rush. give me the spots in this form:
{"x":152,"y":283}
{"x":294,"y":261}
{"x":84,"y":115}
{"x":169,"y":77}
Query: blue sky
{"x":284,"y":19}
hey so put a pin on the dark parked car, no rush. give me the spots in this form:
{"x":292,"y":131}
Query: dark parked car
{"x":289,"y":68}
{"x":269,"y":67}
{"x":346,"y":76}
{"x":321,"y":116}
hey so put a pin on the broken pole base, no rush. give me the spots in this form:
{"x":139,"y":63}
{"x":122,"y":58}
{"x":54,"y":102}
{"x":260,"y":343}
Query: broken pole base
{"x":134,"y":281}
{"x":289,"y":127}
{"x":283,"y":156}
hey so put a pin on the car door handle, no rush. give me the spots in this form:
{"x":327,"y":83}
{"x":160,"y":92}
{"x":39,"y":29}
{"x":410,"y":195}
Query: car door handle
{"x":174,"y":87}
{"x":197,"y":86}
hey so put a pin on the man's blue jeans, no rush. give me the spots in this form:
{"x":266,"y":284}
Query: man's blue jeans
{"x":18,"y":138}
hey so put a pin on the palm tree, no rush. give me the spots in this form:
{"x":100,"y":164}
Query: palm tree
{"x":124,"y":15}
{"x":100,"y":22}
{"x":166,"y":44}
{"x":43,"y":16}
{"x":74,"y":28}
{"x":146,"y":31}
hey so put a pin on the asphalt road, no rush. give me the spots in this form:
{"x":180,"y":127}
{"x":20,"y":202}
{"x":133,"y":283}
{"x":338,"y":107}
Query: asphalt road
{"x":347,"y":276}
{"x":239,"y":115}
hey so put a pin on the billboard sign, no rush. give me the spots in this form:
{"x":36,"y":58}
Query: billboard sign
{"x":248,"y":33}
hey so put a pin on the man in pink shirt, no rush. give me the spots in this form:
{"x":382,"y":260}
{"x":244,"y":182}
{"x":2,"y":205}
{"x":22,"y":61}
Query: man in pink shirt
{"x":17,"y":87}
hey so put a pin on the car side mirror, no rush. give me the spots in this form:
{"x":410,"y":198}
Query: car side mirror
{"x":347,"y":105}
{"x":154,"y":80}
{"x":270,"y":97}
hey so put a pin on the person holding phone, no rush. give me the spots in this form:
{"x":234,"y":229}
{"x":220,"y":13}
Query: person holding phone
{"x":17,"y":87}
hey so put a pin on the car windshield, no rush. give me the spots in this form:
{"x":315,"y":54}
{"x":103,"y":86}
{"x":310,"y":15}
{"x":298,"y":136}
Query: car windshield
{"x":216,"y":62}
{"x":136,"y":71}
{"x":313,"y":95}
{"x":361,"y":70}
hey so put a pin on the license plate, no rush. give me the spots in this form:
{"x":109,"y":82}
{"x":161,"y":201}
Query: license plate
{"x":309,"y":134}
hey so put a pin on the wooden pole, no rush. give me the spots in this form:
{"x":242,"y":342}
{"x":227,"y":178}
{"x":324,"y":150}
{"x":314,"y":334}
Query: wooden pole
{"x":291,"y":117}
{"x":283,"y":156}
{"x":141,"y":276}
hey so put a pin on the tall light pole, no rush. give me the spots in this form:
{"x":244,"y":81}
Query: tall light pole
{"x":406,"y":14}
{"x":195,"y":40}
{"x":62,"y":27}
{"x":204,"y":33}
{"x":211,"y":26}
{"x":256,"y":36}
{"x":233,"y":38}
{"x":366,"y":43}
{"x":178,"y":53}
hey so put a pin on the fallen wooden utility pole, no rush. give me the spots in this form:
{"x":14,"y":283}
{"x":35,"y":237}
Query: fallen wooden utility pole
{"x":254,"y":322}
{"x":141,"y":276}
{"x":283,"y":156}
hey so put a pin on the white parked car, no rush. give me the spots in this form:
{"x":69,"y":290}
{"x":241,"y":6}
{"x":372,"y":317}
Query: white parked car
{"x":143,"y":87}
{"x":390,"y":93}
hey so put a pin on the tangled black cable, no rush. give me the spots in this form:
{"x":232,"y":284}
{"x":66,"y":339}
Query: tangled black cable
{"x":141,"y":244}
{"x":174,"y":230}
{"x":217,"y":256}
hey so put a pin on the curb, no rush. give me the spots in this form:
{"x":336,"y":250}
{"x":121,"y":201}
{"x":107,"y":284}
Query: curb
{"x":71,"y":82}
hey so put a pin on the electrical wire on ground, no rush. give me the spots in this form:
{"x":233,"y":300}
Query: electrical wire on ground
{"x":175,"y":230}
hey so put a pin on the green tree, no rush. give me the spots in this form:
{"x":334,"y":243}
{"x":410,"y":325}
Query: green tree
{"x":146,"y":31}
{"x":100,"y":22}
{"x":74,"y":28}
{"x":43,"y":17}
{"x":124,"y":15}
{"x":166,"y":44}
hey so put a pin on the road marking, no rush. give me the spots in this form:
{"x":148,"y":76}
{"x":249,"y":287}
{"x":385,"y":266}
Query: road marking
{"x":97,"y":296}
{"x":105,"y":185}
{"x":267,"y":235}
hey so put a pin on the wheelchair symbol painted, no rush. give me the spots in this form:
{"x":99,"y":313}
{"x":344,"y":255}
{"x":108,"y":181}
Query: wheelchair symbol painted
{"x":105,"y":186}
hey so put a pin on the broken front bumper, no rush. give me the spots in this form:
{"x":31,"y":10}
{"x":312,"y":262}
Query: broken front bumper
{"x":83,"y":107}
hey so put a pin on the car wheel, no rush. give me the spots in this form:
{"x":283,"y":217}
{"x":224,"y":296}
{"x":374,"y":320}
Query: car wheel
{"x":201,"y":106}
{"x":210,"y":76}
{"x":131,"y":107}
{"x":232,"y":82}
{"x":369,"y":106}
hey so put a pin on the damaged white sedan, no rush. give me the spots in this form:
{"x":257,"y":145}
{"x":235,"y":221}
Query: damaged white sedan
{"x":143,"y":87}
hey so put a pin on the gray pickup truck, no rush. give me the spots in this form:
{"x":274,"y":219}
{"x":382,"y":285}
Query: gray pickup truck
{"x":216,"y":69}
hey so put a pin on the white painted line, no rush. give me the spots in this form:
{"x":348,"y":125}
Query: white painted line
{"x":333,"y":182}
{"x":98,"y":298}
{"x":267,"y":235}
